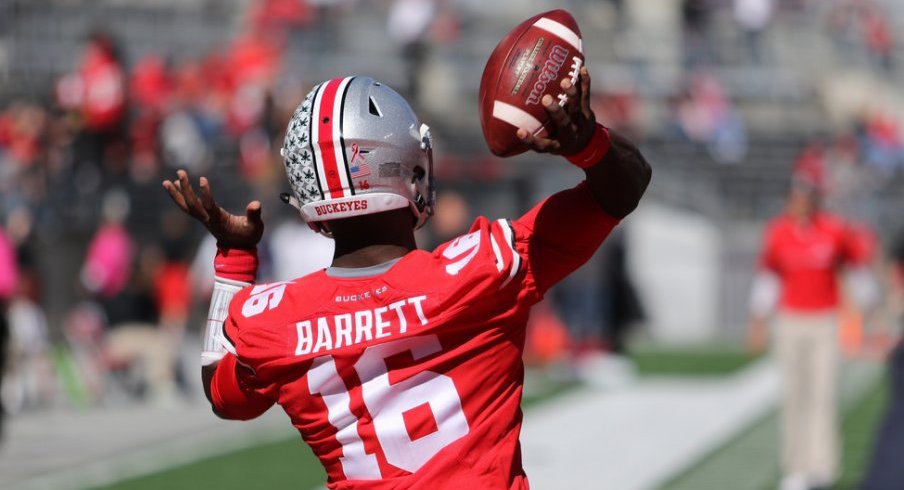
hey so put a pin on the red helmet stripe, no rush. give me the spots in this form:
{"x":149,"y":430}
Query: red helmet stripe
{"x":328,"y":137}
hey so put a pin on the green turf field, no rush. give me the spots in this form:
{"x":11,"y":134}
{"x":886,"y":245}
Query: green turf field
{"x":698,"y":361}
{"x":750,"y":460}
{"x":282,"y":464}
{"x":860,"y":423}
{"x":750,"y":457}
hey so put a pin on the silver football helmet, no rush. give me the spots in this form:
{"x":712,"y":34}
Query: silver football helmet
{"x":355,"y":147}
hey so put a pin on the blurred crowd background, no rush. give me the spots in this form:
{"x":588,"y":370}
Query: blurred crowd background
{"x":106,"y":284}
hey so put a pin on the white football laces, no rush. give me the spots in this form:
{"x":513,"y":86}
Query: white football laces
{"x":574,"y":74}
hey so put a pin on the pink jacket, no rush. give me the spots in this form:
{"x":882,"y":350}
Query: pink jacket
{"x":9,"y":272}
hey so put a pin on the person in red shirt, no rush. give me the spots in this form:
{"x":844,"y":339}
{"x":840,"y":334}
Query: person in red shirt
{"x":96,"y":92}
{"x":804,"y":250}
{"x":400,"y":367}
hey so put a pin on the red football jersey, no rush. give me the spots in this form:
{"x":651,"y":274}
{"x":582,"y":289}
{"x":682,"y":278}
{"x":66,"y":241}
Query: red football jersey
{"x":410,"y":377}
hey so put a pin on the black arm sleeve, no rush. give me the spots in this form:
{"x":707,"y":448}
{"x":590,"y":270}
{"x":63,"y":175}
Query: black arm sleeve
{"x":620,"y":179}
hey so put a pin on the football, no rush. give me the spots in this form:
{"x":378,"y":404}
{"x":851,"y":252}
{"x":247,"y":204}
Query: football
{"x":528,"y":63}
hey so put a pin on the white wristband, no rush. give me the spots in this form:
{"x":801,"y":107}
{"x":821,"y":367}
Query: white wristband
{"x":215,"y":343}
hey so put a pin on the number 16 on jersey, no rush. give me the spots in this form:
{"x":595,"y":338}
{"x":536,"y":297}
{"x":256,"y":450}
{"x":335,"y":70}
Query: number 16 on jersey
{"x":388,"y":404}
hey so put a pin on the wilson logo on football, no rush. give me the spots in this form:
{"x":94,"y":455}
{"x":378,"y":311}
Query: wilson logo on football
{"x":557,"y":57}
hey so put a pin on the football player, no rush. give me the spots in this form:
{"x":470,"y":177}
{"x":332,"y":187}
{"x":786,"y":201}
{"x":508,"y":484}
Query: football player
{"x":400,"y":367}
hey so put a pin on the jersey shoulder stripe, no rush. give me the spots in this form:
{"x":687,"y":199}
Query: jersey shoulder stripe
{"x":490,"y":245}
{"x":508,"y":239}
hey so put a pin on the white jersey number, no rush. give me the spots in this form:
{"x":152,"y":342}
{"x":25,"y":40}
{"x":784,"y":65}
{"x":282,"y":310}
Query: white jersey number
{"x":388,"y":402}
{"x":463,"y":248}
{"x":264,"y":297}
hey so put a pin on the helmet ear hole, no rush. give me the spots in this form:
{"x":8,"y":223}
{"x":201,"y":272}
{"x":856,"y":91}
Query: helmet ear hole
{"x":417,"y":174}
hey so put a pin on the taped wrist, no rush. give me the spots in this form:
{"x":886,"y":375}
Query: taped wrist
{"x":236,"y":264}
{"x":595,"y":150}
{"x":215,"y":342}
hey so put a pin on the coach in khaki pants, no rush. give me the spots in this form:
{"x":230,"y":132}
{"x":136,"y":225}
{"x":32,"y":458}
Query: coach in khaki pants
{"x":805,"y":248}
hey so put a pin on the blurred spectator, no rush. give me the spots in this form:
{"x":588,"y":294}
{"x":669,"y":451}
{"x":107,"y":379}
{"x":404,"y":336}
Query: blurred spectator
{"x":843,"y":28}
{"x":136,"y":343}
{"x":108,"y":263}
{"x":878,"y":35}
{"x":23,"y":132}
{"x":881,"y":138}
{"x":151,"y":85}
{"x":96,"y":92}
{"x":30,"y":379}
{"x":856,"y":26}
{"x":704,"y":115}
{"x":8,"y":268}
{"x":182,"y":141}
{"x":172,"y":286}
{"x":151,"y":92}
{"x":280,"y":14}
{"x":846,"y":183}
{"x":598,"y":304}
{"x":577,"y":305}
{"x":618,"y":299}
{"x":8,"y":277}
{"x":753,"y":18}
{"x":408,"y":25}
{"x":547,"y":339}
{"x":297,"y":250}
{"x":696,"y":29}
{"x":803,"y":250}
{"x":86,"y":368}
{"x":253,"y":62}
{"x":885,"y":470}
{"x":810,"y":165}
{"x":21,"y":129}
{"x":121,"y":349}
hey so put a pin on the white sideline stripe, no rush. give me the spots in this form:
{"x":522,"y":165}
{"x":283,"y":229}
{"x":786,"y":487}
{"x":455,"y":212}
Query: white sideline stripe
{"x":561,"y":31}
{"x":515,"y":116}
{"x":694,"y":415}
{"x":168,"y":438}
{"x":509,"y":241}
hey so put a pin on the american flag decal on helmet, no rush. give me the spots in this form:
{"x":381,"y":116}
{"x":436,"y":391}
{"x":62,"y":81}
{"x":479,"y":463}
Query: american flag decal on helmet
{"x":358,"y":166}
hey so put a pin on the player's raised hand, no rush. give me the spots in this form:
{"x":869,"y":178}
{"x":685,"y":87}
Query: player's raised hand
{"x":231,"y":231}
{"x":573,"y":123}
